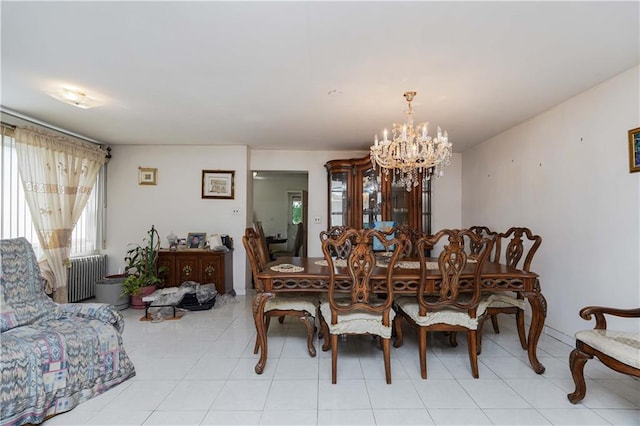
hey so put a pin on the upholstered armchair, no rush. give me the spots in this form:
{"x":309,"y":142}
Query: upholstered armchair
{"x":53,"y":356}
{"x":618,"y":350}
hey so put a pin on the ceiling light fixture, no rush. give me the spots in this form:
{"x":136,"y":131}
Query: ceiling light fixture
{"x":74,"y":97}
{"x":411,"y":154}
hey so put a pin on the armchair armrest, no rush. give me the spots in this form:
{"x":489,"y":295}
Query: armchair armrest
{"x":600,"y":311}
{"x":100,"y":311}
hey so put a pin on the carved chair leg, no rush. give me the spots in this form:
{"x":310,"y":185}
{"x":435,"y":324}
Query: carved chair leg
{"x":453,"y":339}
{"x":309,"y":322}
{"x":386,"y":350}
{"x":334,"y":358}
{"x":397,"y":326}
{"x":577,"y":360}
{"x":324,"y":327}
{"x":494,"y":323}
{"x":520,"y":326}
{"x":472,"y":338}
{"x":479,"y":338}
{"x":256,"y":348}
{"x":319,"y":316}
{"x":422,"y":349}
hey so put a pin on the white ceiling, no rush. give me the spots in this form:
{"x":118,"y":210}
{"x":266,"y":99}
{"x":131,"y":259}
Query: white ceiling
{"x":306,"y":75}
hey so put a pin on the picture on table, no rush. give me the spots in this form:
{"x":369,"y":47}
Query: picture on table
{"x":196,"y":239}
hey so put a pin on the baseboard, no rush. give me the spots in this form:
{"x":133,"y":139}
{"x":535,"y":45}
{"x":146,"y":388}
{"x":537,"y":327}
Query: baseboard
{"x":558,"y":335}
{"x":551,"y":332}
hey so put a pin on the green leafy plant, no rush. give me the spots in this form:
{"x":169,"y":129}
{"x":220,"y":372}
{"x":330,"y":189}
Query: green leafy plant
{"x":141,"y":264}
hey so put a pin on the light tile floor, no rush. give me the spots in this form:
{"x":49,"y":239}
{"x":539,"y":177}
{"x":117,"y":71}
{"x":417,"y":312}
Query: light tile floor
{"x":199,"y":371}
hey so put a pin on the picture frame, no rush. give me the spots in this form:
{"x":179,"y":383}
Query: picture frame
{"x":147,"y":176}
{"x":218,"y":184}
{"x":634,"y":150}
{"x":196,"y":240}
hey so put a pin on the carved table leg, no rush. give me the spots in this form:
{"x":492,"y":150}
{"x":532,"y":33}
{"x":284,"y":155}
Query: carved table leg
{"x":258,"y":317}
{"x":538,"y":314}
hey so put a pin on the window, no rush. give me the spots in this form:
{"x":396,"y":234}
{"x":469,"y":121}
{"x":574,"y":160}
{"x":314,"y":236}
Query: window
{"x":16,"y":218}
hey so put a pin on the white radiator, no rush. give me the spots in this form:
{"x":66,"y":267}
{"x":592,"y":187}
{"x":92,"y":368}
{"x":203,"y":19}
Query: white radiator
{"x":83,"y":274}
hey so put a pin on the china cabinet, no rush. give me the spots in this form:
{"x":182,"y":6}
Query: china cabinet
{"x":358,"y":196}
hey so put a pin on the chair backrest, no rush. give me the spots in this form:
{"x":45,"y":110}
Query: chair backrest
{"x":333,"y":233}
{"x":410,"y":242}
{"x":483,"y":232}
{"x":521,"y":242}
{"x":297,"y":244}
{"x":264,"y":247}
{"x":352,"y":252}
{"x":452,"y":261}
{"x":252,"y":245}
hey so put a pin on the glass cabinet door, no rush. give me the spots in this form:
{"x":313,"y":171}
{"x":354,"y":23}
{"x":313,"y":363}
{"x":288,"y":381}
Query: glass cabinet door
{"x":399,"y":204}
{"x":426,"y":206}
{"x":371,"y":199}
{"x":339,"y":202}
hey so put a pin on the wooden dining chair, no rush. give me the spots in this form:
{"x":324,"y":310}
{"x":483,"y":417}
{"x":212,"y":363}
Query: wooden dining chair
{"x":520,"y":246}
{"x":264,"y":247}
{"x":352,"y":306}
{"x":457,"y":304}
{"x":482,"y":232}
{"x":303,"y":307}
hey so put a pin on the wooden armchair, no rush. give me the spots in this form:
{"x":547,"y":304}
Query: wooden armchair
{"x":617,"y":350}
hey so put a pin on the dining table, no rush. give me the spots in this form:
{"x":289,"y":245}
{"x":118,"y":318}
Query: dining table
{"x":311,"y":275}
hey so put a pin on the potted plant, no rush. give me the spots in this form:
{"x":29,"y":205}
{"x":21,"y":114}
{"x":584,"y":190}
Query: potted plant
{"x":141,"y":269}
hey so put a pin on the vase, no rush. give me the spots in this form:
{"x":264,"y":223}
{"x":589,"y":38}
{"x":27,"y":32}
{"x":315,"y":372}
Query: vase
{"x":136,"y":301}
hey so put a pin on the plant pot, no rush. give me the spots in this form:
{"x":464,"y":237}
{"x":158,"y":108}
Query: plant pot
{"x":109,"y":290}
{"x":136,"y":301}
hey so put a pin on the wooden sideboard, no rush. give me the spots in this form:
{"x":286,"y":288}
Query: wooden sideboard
{"x":202,"y":266}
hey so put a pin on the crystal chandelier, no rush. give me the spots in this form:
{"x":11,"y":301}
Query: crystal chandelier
{"x":412,"y":154}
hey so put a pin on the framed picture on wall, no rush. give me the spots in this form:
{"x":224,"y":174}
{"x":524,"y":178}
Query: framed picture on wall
{"x":147,"y":176}
{"x":634,"y":150}
{"x":218,"y":184}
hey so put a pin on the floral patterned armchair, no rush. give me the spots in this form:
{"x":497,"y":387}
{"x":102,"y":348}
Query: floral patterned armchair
{"x":53,"y":356}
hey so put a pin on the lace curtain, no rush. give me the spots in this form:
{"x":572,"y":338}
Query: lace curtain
{"x":58,"y":174}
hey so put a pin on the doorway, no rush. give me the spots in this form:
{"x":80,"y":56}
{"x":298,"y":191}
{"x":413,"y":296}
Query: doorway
{"x":280,"y":203}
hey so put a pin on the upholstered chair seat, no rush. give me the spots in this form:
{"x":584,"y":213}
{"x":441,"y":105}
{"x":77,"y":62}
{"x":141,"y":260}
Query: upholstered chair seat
{"x":621,"y":345}
{"x":445,"y":315}
{"x":357,"y":322}
{"x":284,"y":302}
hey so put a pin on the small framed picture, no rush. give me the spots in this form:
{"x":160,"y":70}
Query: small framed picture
{"x":634,"y":150}
{"x":147,"y":176}
{"x":195,"y":240}
{"x":218,"y":184}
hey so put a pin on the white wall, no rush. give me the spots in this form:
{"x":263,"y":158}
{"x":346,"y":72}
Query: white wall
{"x":565,"y":175}
{"x":446,"y":196}
{"x":175,"y":203}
